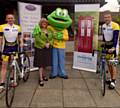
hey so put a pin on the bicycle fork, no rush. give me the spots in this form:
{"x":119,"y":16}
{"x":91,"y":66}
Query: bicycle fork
{"x":103,"y":67}
{"x":15,"y":71}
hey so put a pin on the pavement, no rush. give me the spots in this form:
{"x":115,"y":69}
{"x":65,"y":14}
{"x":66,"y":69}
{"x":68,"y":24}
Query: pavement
{"x":81,"y":90}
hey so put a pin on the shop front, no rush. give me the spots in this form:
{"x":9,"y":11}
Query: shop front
{"x":83,"y":32}
{"x":11,"y":6}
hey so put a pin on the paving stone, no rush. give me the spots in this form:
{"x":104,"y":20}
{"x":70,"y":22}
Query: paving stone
{"x":77,"y":98}
{"x":118,"y":91}
{"x":118,"y":83}
{"x":81,"y":90}
{"x":74,"y":84}
{"x":52,"y":84}
{"x":93,"y":84}
{"x":2,"y":102}
{"x":33,"y":75}
{"x":68,"y":67}
{"x":47,"y":98}
{"x":33,"y":107}
{"x":118,"y":73}
{"x":45,"y":107}
{"x":74,"y":74}
{"x":110,"y":100}
{"x":23,"y":97}
{"x":28,"y":85}
{"x":86,"y":74}
{"x":68,"y":60}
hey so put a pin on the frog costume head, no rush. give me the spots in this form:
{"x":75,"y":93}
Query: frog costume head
{"x":59,"y":19}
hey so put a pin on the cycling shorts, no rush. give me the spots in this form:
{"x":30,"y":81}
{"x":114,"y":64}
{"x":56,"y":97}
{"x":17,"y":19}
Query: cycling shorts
{"x":7,"y":49}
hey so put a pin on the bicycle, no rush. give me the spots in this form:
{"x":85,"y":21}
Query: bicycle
{"x":18,"y":68}
{"x":102,"y":65}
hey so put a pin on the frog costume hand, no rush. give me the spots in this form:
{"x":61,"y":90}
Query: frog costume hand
{"x":60,"y":20}
{"x":58,"y":35}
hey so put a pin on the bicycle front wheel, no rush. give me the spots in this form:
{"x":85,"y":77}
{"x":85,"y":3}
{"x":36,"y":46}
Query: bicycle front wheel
{"x":26,"y":67}
{"x":10,"y":90}
{"x":103,"y":79}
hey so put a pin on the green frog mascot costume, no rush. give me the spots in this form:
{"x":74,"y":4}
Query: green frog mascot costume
{"x":59,"y":21}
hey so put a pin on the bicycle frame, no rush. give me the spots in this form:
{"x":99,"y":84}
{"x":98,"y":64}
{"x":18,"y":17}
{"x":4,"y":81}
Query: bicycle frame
{"x":102,"y":65}
{"x":17,"y":68}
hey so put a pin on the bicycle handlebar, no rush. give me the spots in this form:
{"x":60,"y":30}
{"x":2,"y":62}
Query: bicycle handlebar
{"x":103,"y":51}
{"x":99,"y":51}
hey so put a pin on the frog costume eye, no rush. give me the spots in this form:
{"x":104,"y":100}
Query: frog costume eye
{"x":65,"y":12}
{"x":58,"y":11}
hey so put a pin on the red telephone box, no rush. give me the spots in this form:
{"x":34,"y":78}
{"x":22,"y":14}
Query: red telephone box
{"x":85,"y":33}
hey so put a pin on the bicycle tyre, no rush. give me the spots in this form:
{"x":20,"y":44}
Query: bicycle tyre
{"x":103,"y":80}
{"x":26,"y":68}
{"x":9,"y":89}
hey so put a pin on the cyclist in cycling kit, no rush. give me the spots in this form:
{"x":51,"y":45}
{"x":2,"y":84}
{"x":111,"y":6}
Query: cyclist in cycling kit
{"x":111,"y":38}
{"x":10,"y":35}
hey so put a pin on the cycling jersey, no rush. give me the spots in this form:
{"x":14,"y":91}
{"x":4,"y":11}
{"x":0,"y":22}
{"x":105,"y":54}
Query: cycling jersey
{"x":10,"y":35}
{"x":10,"y":32}
{"x":111,"y":35}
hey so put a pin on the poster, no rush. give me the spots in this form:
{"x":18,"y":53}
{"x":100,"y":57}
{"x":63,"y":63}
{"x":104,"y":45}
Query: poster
{"x":29,"y":16}
{"x":85,"y":61}
{"x":86,"y":36}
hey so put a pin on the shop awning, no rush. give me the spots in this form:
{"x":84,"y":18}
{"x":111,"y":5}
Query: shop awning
{"x":102,"y":2}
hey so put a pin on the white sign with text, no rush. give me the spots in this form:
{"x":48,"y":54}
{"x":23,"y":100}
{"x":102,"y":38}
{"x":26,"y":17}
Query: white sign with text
{"x":29,"y":16}
{"x":84,"y":61}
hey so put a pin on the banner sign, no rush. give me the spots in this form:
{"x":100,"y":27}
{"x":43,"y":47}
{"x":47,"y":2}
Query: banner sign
{"x":29,"y":16}
{"x":86,"y":36}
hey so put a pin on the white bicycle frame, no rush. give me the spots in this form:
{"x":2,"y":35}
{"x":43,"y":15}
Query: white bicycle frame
{"x":16,"y":67}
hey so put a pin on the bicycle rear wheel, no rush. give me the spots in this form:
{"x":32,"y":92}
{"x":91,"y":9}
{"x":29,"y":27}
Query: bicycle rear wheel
{"x":103,"y":79}
{"x":26,"y":68}
{"x":10,"y":90}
